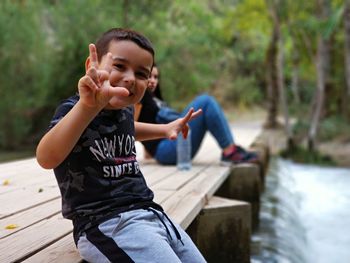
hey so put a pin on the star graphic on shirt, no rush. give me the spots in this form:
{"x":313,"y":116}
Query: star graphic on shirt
{"x":77,"y":179}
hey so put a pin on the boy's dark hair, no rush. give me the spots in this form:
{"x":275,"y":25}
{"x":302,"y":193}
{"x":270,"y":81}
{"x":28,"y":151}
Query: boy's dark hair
{"x":102,"y":44}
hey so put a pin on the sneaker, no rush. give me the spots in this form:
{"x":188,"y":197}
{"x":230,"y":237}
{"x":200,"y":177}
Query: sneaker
{"x":239,"y":155}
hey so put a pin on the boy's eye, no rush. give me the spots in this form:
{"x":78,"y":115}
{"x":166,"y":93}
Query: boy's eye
{"x":119,"y":66}
{"x":142,"y":75}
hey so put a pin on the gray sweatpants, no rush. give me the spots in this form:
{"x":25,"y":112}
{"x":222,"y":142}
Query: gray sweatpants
{"x":138,"y":236}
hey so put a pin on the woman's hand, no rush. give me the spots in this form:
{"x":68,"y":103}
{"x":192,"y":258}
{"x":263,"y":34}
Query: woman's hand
{"x":181,"y":124}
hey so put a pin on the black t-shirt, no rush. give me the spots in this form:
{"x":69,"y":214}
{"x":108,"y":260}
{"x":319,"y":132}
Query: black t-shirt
{"x":101,"y":177}
{"x":148,"y":114}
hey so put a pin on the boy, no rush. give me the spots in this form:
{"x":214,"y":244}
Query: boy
{"x":90,"y":146}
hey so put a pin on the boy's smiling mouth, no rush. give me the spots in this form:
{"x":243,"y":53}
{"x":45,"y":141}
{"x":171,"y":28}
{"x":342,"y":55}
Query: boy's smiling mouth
{"x":131,"y":92}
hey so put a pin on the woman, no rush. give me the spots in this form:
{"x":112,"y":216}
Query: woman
{"x":212,"y":119}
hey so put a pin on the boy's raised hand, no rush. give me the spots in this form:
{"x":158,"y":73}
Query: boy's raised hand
{"x":94,"y":88}
{"x":181,"y":124}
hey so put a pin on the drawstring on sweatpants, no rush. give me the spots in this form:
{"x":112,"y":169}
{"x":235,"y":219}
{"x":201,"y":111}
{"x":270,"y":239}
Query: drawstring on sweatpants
{"x":178,"y":236}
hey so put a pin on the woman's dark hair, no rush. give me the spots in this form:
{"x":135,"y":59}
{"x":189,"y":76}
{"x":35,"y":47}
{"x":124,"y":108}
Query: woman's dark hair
{"x":102,"y":44}
{"x":157,"y":92}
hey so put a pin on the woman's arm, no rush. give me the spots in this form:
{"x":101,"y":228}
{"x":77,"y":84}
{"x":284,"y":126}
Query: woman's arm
{"x":148,"y":131}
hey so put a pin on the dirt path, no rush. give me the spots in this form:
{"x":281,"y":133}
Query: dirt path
{"x":339,"y":151}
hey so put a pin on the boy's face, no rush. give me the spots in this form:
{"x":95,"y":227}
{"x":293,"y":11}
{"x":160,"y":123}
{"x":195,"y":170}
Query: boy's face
{"x":131,"y":69}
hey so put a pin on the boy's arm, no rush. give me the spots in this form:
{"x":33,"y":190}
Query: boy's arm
{"x":148,"y":131}
{"x":58,"y":142}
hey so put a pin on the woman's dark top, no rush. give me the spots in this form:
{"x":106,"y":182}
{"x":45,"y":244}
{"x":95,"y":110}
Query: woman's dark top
{"x":148,"y":114}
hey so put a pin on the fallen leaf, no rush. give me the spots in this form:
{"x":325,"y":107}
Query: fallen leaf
{"x":6,"y":182}
{"x":11,"y":226}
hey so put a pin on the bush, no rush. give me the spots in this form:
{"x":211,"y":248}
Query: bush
{"x":334,"y":127}
{"x":243,"y":91}
{"x":301,"y":155}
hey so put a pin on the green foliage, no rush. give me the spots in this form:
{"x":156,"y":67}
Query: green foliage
{"x":189,"y":50}
{"x":244,"y":91}
{"x":300,"y":128}
{"x":301,"y":155}
{"x":334,"y":127}
{"x":215,"y":46}
{"x":24,"y":72}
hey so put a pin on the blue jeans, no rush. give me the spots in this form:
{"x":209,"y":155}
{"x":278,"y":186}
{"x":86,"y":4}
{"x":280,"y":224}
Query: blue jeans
{"x":212,"y":119}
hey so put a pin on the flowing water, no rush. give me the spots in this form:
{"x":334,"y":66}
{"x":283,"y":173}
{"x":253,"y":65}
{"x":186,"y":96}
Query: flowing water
{"x":305,"y":215}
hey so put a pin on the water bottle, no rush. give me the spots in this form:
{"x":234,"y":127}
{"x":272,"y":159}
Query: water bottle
{"x":183,"y":152}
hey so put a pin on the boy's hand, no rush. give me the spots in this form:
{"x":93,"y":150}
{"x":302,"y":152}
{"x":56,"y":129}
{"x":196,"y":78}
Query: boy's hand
{"x":181,"y":124}
{"x":94,"y":88}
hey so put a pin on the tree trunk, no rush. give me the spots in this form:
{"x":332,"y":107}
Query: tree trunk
{"x":281,"y":90}
{"x":280,"y":76}
{"x":295,"y":66}
{"x":319,"y":98}
{"x":322,"y":67}
{"x":272,"y":75}
{"x":347,"y":44}
{"x":345,"y":99}
{"x":295,"y":76}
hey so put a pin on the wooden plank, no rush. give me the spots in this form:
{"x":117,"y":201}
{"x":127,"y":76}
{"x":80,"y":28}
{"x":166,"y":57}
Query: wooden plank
{"x":24,"y":198}
{"x":62,"y":251}
{"x":23,"y":174}
{"x":185,"y":204}
{"x":29,"y":217}
{"x":13,"y":166}
{"x":149,"y":168}
{"x":176,"y":180}
{"x":209,"y":153}
{"x":22,"y":182}
{"x":32,"y":239}
{"x":190,"y":208}
{"x":157,"y":175}
{"x":219,"y":174}
{"x":160,"y":196}
{"x":19,"y":171}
